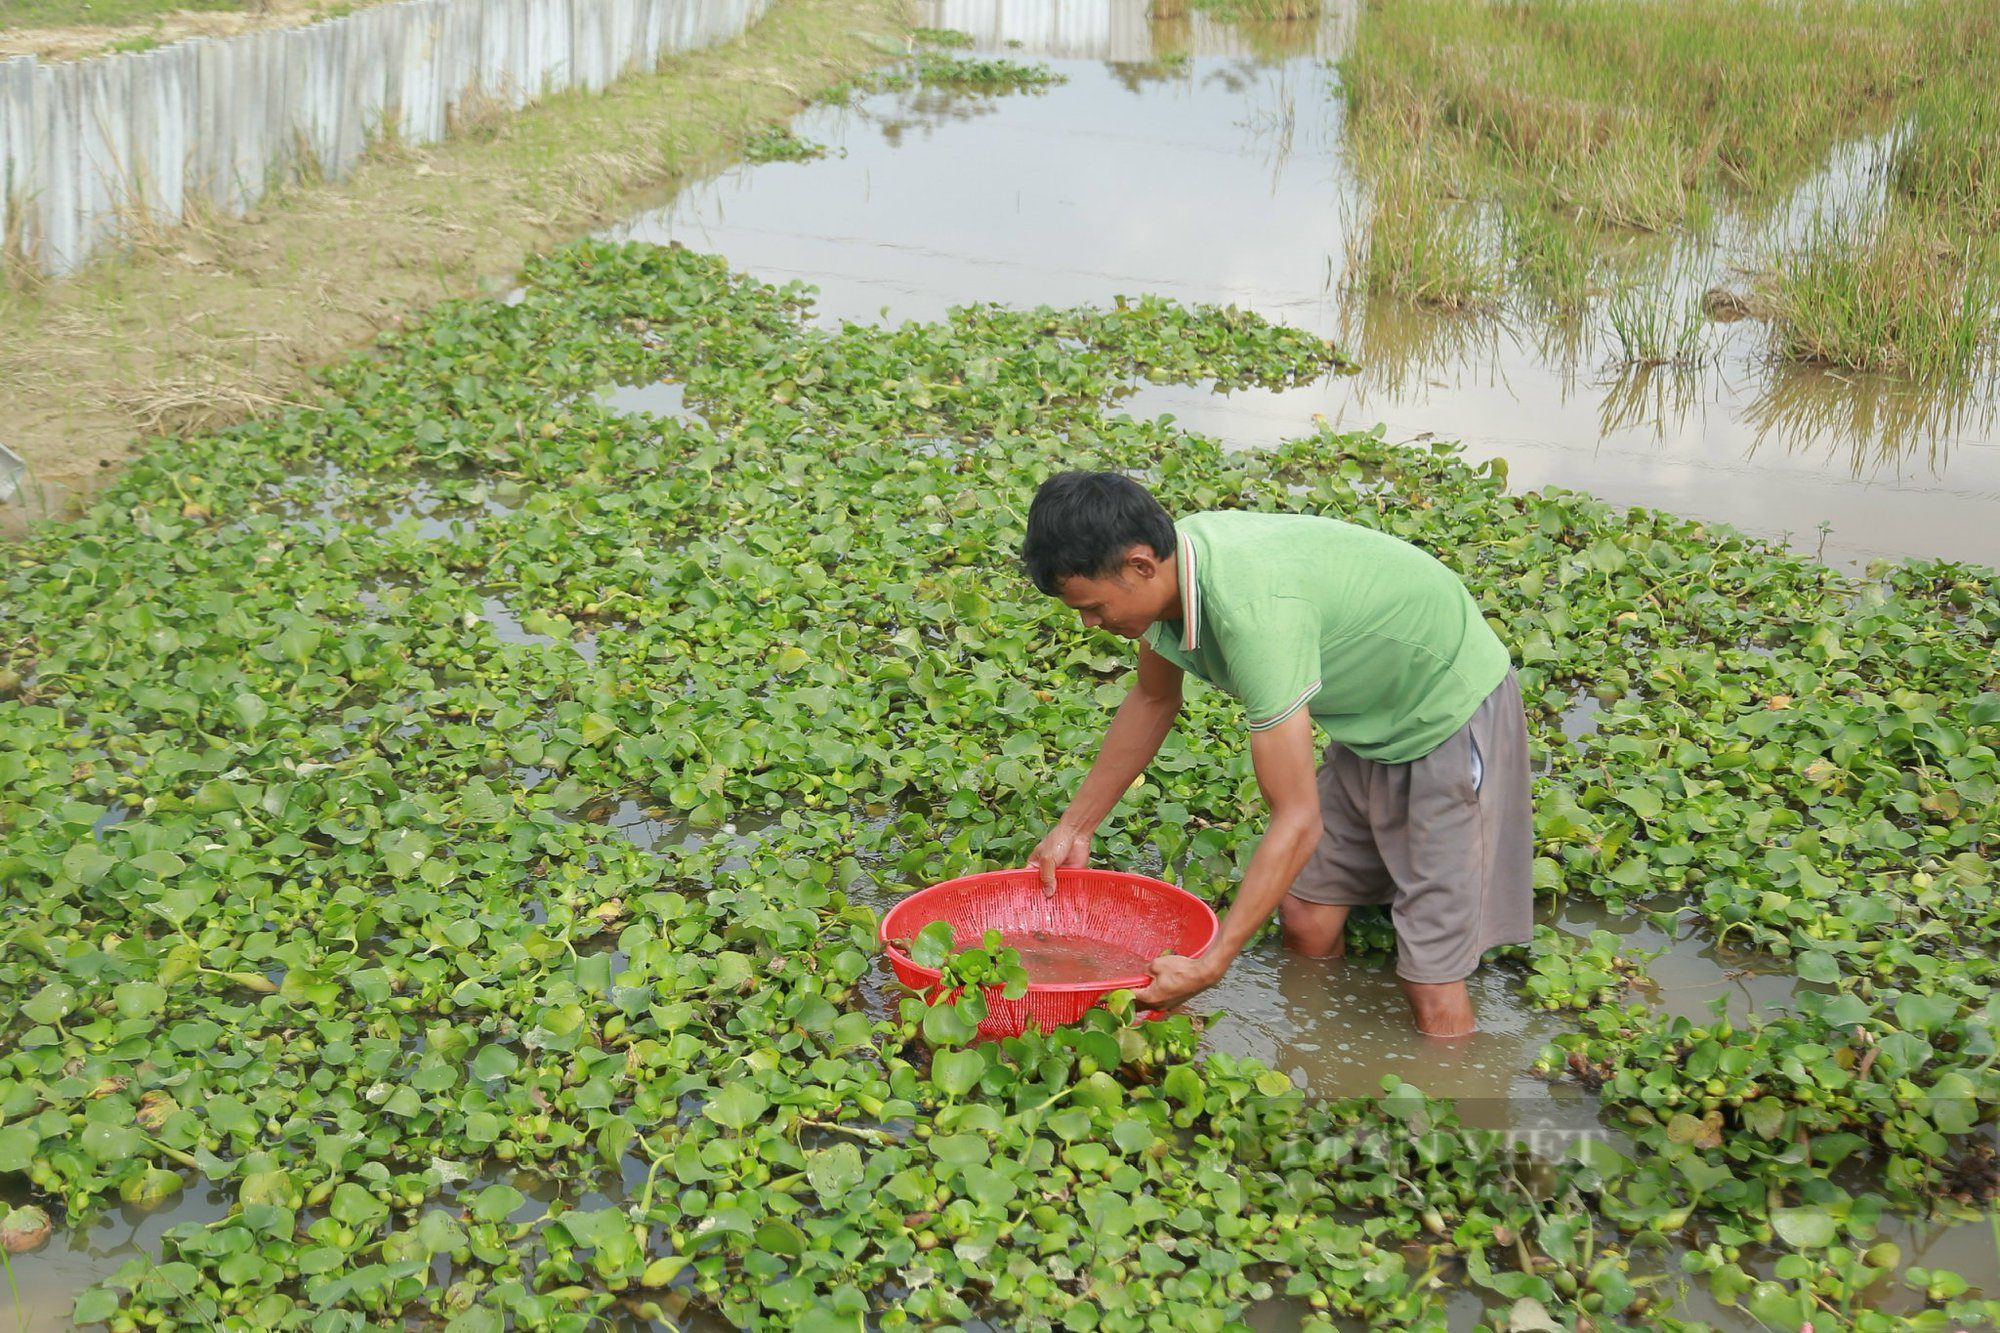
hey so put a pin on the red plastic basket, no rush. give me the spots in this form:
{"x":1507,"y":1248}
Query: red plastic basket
{"x":1132,"y":912}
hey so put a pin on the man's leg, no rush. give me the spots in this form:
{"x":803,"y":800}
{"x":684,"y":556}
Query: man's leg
{"x":1317,"y":930}
{"x":1344,"y":868}
{"x":1460,"y":845}
{"x":1440,"y":1010}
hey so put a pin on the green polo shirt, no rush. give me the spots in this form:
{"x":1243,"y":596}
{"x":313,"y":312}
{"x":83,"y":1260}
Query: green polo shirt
{"x":1377,"y":639}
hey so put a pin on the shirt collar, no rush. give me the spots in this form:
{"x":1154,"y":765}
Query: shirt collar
{"x":1190,"y":595}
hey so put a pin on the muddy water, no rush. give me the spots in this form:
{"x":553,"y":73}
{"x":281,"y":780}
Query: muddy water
{"x":1222,"y":179}
{"x":1064,"y":960}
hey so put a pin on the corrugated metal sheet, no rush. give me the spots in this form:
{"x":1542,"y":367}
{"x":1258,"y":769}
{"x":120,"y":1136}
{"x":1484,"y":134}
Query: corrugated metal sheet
{"x":94,"y":150}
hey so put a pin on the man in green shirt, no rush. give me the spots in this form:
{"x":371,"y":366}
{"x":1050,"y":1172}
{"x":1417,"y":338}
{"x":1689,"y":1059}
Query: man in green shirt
{"x":1421,"y":800}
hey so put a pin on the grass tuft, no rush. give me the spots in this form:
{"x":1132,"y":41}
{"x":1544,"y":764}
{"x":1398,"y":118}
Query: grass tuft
{"x":1650,"y":331}
{"x":1420,"y":246}
{"x":1575,"y":125}
{"x":1257,"y":11}
{"x":1896,"y":293}
{"x":1550,"y":254}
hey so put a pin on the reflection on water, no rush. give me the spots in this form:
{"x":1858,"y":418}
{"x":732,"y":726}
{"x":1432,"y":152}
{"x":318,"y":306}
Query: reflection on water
{"x":1208,"y":165}
{"x":661,"y":399}
{"x":45,"y":1283}
{"x":1870,"y":422}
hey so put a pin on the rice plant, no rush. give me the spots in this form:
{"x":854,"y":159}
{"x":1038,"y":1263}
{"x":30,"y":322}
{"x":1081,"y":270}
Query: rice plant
{"x":1576,"y":122}
{"x":1652,"y":330}
{"x":1550,"y":254}
{"x":1897,"y":293}
{"x":1421,"y":247}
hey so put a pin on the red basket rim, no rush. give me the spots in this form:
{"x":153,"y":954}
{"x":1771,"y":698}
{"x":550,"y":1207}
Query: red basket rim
{"x":1104,"y":987}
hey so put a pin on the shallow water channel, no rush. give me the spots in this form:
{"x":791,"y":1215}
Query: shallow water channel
{"x":1220,"y":178}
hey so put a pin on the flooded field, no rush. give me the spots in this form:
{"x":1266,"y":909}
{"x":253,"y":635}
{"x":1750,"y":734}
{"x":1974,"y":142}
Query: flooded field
{"x":1205,"y":164}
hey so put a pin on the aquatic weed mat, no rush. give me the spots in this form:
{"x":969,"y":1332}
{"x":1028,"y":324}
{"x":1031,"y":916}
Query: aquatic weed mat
{"x":328,"y":742}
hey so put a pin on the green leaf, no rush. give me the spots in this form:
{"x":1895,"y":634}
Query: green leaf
{"x":17,"y":1147}
{"x":1925,"y":1013}
{"x":950,"y":1024}
{"x":1806,"y":1228}
{"x":496,"y":1203}
{"x":403,"y":851}
{"x":160,"y":865}
{"x":138,"y":999}
{"x":150,"y":1187}
{"x":1133,"y":1135}
{"x":271,"y":1186}
{"x":932,"y":945}
{"x":738,"y":1105}
{"x":824,"y":1319}
{"x":1953,"y":1103}
{"x":1405,"y":1102}
{"x":494,"y":1062}
{"x":250,"y":710}
{"x":51,"y":1004}
{"x":1644,"y":802}
{"x":110,"y":1143}
{"x":95,"y":1306}
{"x":355,"y":1206}
{"x":834,"y":1171}
{"x":85,"y":864}
{"x":960,"y":1149}
{"x":1766,"y":1117}
{"x":957,"y":1072}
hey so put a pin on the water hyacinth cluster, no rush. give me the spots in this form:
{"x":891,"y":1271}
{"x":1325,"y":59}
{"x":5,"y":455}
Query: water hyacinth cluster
{"x":316,"y":896}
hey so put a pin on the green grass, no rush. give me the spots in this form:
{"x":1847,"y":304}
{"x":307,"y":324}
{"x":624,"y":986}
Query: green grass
{"x":1254,"y":11}
{"x":1422,"y":247}
{"x":1653,"y":332}
{"x":1549,"y":254}
{"x":1617,"y":106}
{"x":15,"y":14}
{"x":1595,"y":120}
{"x":1899,"y":294}
{"x":1949,"y":158}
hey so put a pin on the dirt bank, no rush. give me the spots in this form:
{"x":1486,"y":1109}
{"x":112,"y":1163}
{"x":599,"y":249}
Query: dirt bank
{"x":88,"y":39}
{"x":203,"y":325}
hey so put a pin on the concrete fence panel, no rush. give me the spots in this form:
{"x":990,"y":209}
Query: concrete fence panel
{"x":93,"y":152}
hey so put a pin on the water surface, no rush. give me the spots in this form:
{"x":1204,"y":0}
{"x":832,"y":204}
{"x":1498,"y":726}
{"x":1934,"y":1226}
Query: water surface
{"x":1221,"y":178}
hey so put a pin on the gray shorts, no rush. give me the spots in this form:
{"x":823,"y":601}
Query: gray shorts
{"x":1446,"y":842}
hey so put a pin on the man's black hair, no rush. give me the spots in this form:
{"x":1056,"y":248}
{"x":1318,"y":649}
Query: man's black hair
{"x":1082,"y":524}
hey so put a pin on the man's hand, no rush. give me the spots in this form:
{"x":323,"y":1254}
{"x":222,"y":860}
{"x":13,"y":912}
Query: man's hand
{"x":1175,"y":979}
{"x":1061,"y":848}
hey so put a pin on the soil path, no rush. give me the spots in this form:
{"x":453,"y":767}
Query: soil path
{"x":81,"y":40}
{"x":206,"y":324}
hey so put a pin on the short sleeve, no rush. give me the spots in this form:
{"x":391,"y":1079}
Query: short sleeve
{"x":1273,"y":652}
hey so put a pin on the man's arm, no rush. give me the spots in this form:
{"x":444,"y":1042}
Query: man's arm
{"x":1283,"y":757}
{"x":1130,"y":742}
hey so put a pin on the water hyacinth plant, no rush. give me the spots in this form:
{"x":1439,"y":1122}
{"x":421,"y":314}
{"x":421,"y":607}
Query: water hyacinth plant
{"x":315,"y":896}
